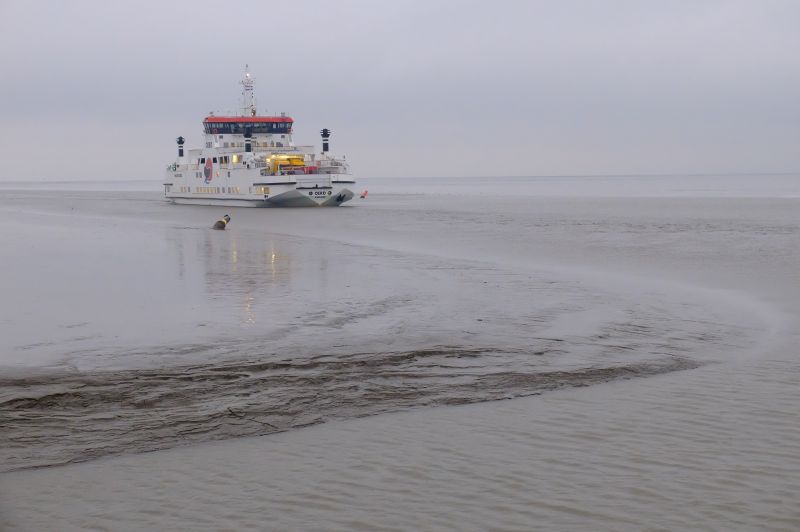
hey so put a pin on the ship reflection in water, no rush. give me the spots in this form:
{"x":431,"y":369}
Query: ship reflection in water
{"x":246,"y":285}
{"x":245,"y":279}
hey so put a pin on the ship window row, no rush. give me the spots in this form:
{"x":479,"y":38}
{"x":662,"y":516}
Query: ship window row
{"x":215,"y":190}
{"x":235,"y":128}
{"x":224,"y":159}
{"x":255,"y":144}
{"x":270,"y":144}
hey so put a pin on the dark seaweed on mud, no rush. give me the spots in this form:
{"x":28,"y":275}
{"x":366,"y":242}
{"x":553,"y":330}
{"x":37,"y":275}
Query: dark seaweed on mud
{"x":73,"y":417}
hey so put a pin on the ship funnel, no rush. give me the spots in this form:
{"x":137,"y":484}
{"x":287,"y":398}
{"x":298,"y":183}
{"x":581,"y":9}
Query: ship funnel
{"x":180,"y":142}
{"x":326,"y":134}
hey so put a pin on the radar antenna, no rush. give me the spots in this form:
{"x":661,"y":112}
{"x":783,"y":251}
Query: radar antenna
{"x":248,"y":94}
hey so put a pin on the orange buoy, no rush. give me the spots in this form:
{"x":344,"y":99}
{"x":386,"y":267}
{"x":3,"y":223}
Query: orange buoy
{"x":364,"y":194}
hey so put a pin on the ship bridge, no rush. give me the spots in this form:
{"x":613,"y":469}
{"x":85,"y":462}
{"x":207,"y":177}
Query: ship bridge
{"x":248,"y":125}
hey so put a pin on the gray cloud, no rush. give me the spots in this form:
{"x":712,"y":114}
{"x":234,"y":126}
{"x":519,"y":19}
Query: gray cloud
{"x":409,"y":88}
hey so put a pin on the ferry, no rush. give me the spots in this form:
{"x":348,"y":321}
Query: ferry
{"x":250,"y":161}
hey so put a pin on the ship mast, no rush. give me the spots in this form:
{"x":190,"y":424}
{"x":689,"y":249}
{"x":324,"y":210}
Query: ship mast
{"x":248,"y":95}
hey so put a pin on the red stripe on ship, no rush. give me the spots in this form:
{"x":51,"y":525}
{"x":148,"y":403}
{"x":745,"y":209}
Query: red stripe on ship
{"x":248,"y":119}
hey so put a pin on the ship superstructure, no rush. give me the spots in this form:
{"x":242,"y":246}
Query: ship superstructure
{"x":250,"y":161}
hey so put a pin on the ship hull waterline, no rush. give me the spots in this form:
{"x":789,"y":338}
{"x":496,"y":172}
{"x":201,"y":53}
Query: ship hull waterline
{"x":333,"y":197}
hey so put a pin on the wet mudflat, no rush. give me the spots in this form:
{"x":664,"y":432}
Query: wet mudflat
{"x":152,"y":332}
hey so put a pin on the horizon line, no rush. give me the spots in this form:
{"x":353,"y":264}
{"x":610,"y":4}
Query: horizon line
{"x":670,"y":174}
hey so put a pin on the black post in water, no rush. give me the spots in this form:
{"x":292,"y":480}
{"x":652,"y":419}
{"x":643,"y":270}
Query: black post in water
{"x":180,"y":146}
{"x":326,"y":134}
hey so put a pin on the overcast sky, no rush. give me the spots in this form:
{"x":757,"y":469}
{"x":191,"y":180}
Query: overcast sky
{"x":100,"y":90}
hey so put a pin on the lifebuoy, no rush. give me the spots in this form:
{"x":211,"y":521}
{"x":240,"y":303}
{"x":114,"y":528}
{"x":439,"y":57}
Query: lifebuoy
{"x":208,"y":170}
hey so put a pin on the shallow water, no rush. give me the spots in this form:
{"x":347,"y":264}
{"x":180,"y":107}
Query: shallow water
{"x":407,"y":302}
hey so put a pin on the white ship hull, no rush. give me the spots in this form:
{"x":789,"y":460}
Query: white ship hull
{"x":250,"y":187}
{"x":272,"y":195}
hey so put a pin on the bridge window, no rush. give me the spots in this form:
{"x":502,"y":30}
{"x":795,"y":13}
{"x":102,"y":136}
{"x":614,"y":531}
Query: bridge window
{"x":238,"y":128}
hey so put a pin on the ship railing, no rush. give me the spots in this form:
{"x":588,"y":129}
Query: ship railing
{"x":267,"y":146}
{"x":217,"y":166}
{"x":258,"y":163}
{"x":311,"y":181}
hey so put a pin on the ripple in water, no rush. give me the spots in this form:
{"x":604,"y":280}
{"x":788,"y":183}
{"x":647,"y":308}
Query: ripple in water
{"x":73,"y":417}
